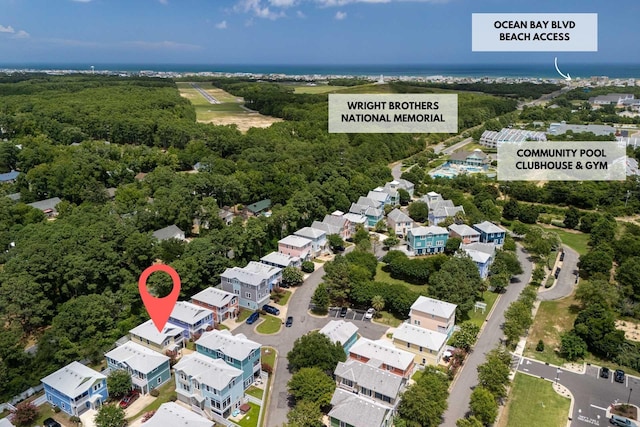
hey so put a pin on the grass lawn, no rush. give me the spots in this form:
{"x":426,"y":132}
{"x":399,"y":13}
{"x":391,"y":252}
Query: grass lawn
{"x":251,"y":418}
{"x":478,"y":317}
{"x":553,"y":318}
{"x":383,"y":276}
{"x":243,"y":315}
{"x":221,"y":327}
{"x":167,"y":390}
{"x":388,"y":319}
{"x":317,"y":89}
{"x":269,"y":356}
{"x":284,"y":298}
{"x":532,"y":402}
{"x":576,"y":240}
{"x":255,"y":392}
{"x":269,"y":325}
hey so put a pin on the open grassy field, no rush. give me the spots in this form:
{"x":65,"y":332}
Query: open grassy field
{"x":230,"y":111}
{"x":478,"y":317}
{"x":383,"y":276}
{"x":317,"y":89}
{"x":574,"y":239}
{"x":534,"y":403}
{"x":269,"y":325}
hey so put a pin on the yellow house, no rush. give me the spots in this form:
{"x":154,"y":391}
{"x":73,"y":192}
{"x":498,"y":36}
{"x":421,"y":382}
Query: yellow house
{"x":426,"y":345}
{"x":170,"y":339}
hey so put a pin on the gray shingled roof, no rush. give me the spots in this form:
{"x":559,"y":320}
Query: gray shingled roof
{"x":463,"y":230}
{"x":214,"y":297}
{"x":398,"y":216}
{"x":148,"y":331}
{"x":382,"y":352}
{"x":423,"y":337}
{"x":169,"y":232}
{"x":310,"y":233}
{"x":356,"y":410}
{"x":488,"y":227}
{"x":171,"y":414}
{"x":189,"y":313}
{"x":425,"y":231}
{"x":47,"y":204}
{"x":278,"y":258}
{"x":212,"y":372}
{"x":370,"y":377}
{"x":339,"y":331}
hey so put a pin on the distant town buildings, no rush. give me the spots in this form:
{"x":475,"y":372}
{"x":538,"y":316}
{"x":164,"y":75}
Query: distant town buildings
{"x":493,"y":139}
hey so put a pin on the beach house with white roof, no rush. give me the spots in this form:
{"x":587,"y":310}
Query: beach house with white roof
{"x":148,"y":369}
{"x":433,"y":314}
{"x":224,"y":305}
{"x":75,"y":388}
{"x":426,"y":345}
{"x":353,"y":410}
{"x":252,"y":284}
{"x":366,"y":380}
{"x":193,"y":318}
{"x":170,"y":339}
{"x":383,"y":355}
{"x":318,"y":239}
{"x":339,"y":331}
{"x":171,"y":414}
{"x":296,"y":246}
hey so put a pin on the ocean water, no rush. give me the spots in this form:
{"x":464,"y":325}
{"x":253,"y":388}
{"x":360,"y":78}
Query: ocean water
{"x":419,"y":70}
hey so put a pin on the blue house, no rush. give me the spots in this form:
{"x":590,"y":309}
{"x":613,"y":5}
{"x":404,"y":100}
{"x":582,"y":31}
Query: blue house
{"x":208,"y":386}
{"x":482,"y":254}
{"x":9,"y":176}
{"x":235,"y":350}
{"x":427,"y":240}
{"x":192,"y":318}
{"x":490,"y":233}
{"x":339,"y":331}
{"x":368,"y":208}
{"x":75,"y":389}
{"x":148,"y":369}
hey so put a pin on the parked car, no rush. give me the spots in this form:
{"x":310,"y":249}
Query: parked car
{"x":289,"y":322}
{"x":561,"y":256}
{"x":620,"y":421}
{"x":50,"y":422}
{"x":271,"y":309}
{"x":252,"y":319}
{"x":131,"y":397}
{"x":604,"y":372}
{"x":557,"y":273}
{"x":618,"y":376}
{"x":369,"y":314}
{"x":343,"y":311}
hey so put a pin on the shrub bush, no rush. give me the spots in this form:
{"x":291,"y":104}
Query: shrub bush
{"x":154,"y":392}
{"x":56,"y":409}
{"x":540,"y":346}
{"x":308,"y":267}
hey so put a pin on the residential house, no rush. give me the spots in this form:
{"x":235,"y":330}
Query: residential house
{"x":339,"y":331}
{"x":170,"y":339}
{"x":465,"y":233}
{"x":394,"y":186}
{"x":616,"y":99}
{"x":383,"y":355}
{"x":490,"y":233}
{"x":236,"y":350}
{"x":427,"y":240}
{"x":208,"y":385}
{"x":427,"y":345}
{"x":9,"y":177}
{"x":260,"y":208}
{"x":48,"y":206}
{"x":379,"y":195}
{"x":367,"y":201}
{"x":226,"y":215}
{"x":148,"y":369}
{"x":399,"y":222}
{"x":76,"y":388}
{"x":372,"y":210}
{"x":352,"y":410}
{"x":4,"y":422}
{"x":335,"y":224}
{"x":170,"y":232}
{"x":562,"y":127}
{"x":440,"y":213}
{"x":431,"y":196}
{"x":278,"y":259}
{"x":433,"y":314}
{"x":253,"y":283}
{"x":224,"y":305}
{"x":470,"y":158}
{"x":296,"y":246}
{"x":355,"y":220}
{"x":483,"y":254}
{"x":318,"y":239}
{"x":171,"y":414}
{"x":366,"y":380}
{"x":193,"y":318}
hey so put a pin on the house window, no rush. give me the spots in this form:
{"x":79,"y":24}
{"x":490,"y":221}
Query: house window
{"x":424,"y":361}
{"x":421,"y":349}
{"x":247,"y":294}
{"x":64,"y":406}
{"x":50,"y":398}
{"x":416,"y":322}
{"x":237,"y":292}
{"x":408,"y":345}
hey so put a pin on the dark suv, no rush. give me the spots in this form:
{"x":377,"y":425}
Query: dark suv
{"x":252,"y":319}
{"x":604,"y":372}
{"x":50,"y":422}
{"x":618,"y":376}
{"x":271,"y":309}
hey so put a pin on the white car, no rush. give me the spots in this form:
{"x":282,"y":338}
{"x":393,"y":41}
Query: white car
{"x":369,"y":313}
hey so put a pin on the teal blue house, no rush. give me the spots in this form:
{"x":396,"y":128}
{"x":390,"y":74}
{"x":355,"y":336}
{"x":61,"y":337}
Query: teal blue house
{"x":76,"y":389}
{"x":339,"y":331}
{"x":235,"y":350}
{"x":427,"y":240}
{"x":148,"y":369}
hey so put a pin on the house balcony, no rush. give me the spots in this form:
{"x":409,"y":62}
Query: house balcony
{"x":140,"y":382}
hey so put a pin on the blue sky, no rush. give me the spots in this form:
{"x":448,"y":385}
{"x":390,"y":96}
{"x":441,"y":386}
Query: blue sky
{"x":286,"y":31}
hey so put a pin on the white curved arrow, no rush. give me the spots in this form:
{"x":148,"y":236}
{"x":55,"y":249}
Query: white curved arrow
{"x":567,"y":77}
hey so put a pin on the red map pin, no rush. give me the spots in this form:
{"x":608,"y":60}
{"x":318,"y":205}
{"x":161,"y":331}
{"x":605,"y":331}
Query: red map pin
{"x":159,"y":309}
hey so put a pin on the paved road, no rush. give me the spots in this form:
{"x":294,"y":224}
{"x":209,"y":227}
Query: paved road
{"x":283,"y":341}
{"x":566,"y":279}
{"x":442,"y":149}
{"x":205,"y":94}
{"x":592,"y":394}
{"x":489,"y":338}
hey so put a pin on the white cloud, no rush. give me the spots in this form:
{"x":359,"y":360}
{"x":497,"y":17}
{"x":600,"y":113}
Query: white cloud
{"x":22,"y":34}
{"x":7,"y":29}
{"x":259,"y":10}
{"x":221,"y":25}
{"x":82,"y":1}
{"x":282,"y":3}
{"x":164,"y":1}
{"x":300,"y":15}
{"x":340,"y":15}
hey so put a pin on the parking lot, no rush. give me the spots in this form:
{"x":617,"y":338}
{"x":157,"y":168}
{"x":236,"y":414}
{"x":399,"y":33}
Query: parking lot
{"x":351,"y":314}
